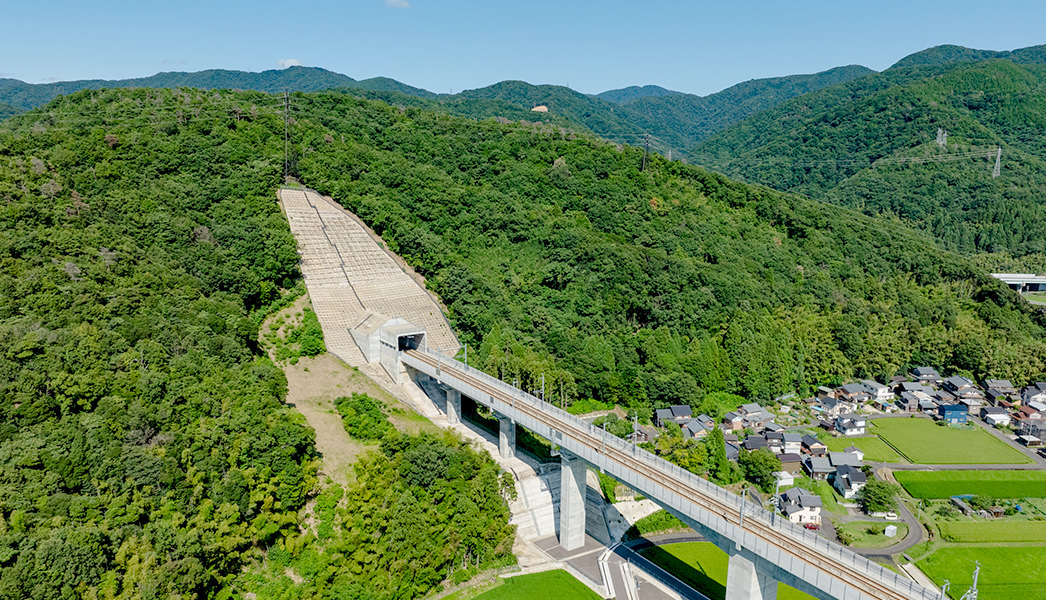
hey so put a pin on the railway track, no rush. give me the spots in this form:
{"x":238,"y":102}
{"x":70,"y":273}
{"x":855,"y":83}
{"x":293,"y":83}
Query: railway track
{"x":781,"y":540}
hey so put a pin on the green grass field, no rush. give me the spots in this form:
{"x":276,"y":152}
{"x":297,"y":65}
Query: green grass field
{"x":875,"y":450}
{"x":703,"y":567}
{"x":922,"y":441}
{"x":1006,"y":573}
{"x":829,"y":497}
{"x":993,"y":531}
{"x":862,"y":538}
{"x":997,"y":484}
{"x":553,"y":585}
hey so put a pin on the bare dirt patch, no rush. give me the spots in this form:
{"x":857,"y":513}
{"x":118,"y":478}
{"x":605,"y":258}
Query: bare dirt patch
{"x":312,"y":386}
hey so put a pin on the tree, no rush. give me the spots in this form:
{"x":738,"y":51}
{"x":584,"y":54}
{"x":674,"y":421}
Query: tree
{"x":718,"y":466}
{"x":878,"y":496}
{"x":759,"y":467}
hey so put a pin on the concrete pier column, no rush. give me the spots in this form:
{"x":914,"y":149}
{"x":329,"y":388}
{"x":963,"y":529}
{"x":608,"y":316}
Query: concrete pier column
{"x":507,"y":437}
{"x":572,"y":488}
{"x":745,"y":582}
{"x":453,"y":406}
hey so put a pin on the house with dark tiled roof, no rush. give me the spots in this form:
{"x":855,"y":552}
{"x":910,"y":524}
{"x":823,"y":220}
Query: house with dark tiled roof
{"x":801,"y":506}
{"x":849,"y":480}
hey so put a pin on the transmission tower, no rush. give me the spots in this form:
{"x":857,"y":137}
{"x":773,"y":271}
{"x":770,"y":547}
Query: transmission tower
{"x":942,"y":137}
{"x":971,"y":594}
{"x":998,"y":164}
{"x":646,"y":150}
{"x":286,"y":134}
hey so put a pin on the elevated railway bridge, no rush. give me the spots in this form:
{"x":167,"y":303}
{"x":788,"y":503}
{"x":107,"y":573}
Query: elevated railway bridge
{"x":764,"y":549}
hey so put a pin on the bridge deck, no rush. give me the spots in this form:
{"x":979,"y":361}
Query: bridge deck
{"x":792,"y":550}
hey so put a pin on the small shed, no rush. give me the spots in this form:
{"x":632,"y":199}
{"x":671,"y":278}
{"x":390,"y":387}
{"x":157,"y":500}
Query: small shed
{"x":890,"y":531}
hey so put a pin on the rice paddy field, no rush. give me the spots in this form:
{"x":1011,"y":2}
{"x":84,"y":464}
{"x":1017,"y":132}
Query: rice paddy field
{"x":921,"y":441}
{"x":1007,"y":573}
{"x":1016,"y":530}
{"x":997,"y":484}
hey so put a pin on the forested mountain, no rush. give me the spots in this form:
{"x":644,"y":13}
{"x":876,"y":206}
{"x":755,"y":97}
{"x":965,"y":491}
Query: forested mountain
{"x":633,"y":92}
{"x":559,"y":256}
{"x":947,"y":54}
{"x":684,"y":120}
{"x":145,"y":447}
{"x":6,"y":110}
{"x":295,"y":79}
{"x":679,"y":121}
{"x":871,"y":144}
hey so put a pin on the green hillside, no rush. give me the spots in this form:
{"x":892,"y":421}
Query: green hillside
{"x":684,"y":120}
{"x":870,"y":144}
{"x":294,"y":79}
{"x":946,"y":54}
{"x":6,"y":110}
{"x":633,"y":92}
{"x":559,"y":256}
{"x":146,"y":450}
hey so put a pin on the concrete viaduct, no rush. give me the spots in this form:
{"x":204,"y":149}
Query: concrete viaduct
{"x":764,"y":549}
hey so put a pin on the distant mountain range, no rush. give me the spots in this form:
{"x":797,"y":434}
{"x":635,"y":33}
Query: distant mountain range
{"x":873,"y":144}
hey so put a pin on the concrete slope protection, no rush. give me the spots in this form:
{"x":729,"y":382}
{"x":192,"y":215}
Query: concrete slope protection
{"x":763,"y":549}
{"x":351,"y":278}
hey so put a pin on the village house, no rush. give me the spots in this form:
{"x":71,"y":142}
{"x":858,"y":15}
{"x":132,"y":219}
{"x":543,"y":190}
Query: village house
{"x":774,"y":441}
{"x":677,"y":413}
{"x":961,"y":386}
{"x":880,"y":394}
{"x":699,"y":427}
{"x":849,"y":480}
{"x":854,"y":393}
{"x":818,"y":467}
{"x":953,"y":414}
{"x":996,"y":416}
{"x":814,"y":446}
{"x":1035,"y":428}
{"x":1035,"y":392}
{"x":754,"y":442}
{"x":856,"y":452}
{"x":801,"y":506}
{"x":926,"y":375}
{"x":733,"y":421}
{"x":908,"y":402}
{"x":1001,"y":386}
{"x":851,"y":424}
{"x":844,"y":459}
{"x":791,"y":463}
{"x":793,"y":443}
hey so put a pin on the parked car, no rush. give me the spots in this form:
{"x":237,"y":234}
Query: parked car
{"x":812,"y":525}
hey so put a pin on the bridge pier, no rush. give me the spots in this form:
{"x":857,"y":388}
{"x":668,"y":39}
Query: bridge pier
{"x":572,"y":487}
{"x":506,"y":437}
{"x":745,"y":582}
{"x":453,"y":406}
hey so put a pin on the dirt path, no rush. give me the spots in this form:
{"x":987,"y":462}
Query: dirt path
{"x":313,"y":384}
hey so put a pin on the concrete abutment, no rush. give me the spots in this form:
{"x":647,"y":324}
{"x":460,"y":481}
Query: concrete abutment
{"x":573,"y":487}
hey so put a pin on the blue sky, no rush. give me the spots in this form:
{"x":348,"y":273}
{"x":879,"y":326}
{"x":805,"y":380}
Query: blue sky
{"x":451,"y":45}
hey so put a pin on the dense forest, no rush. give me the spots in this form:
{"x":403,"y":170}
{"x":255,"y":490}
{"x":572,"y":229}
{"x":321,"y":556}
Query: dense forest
{"x":558,"y":255}
{"x":146,"y":448}
{"x":872,"y":144}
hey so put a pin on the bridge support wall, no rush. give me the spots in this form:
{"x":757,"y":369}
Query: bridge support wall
{"x":745,"y":582}
{"x":572,"y":490}
{"x":506,"y":437}
{"x":453,"y":406}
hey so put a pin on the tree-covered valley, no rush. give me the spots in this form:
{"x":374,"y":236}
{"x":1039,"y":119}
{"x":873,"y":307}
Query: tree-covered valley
{"x":147,"y":448}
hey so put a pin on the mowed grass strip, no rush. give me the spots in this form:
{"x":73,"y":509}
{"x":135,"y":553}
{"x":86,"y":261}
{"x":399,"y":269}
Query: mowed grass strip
{"x":875,"y":450}
{"x":553,"y":585}
{"x":922,"y":441}
{"x":703,"y":566}
{"x":997,"y":484}
{"x":994,"y":531}
{"x":1006,"y":573}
